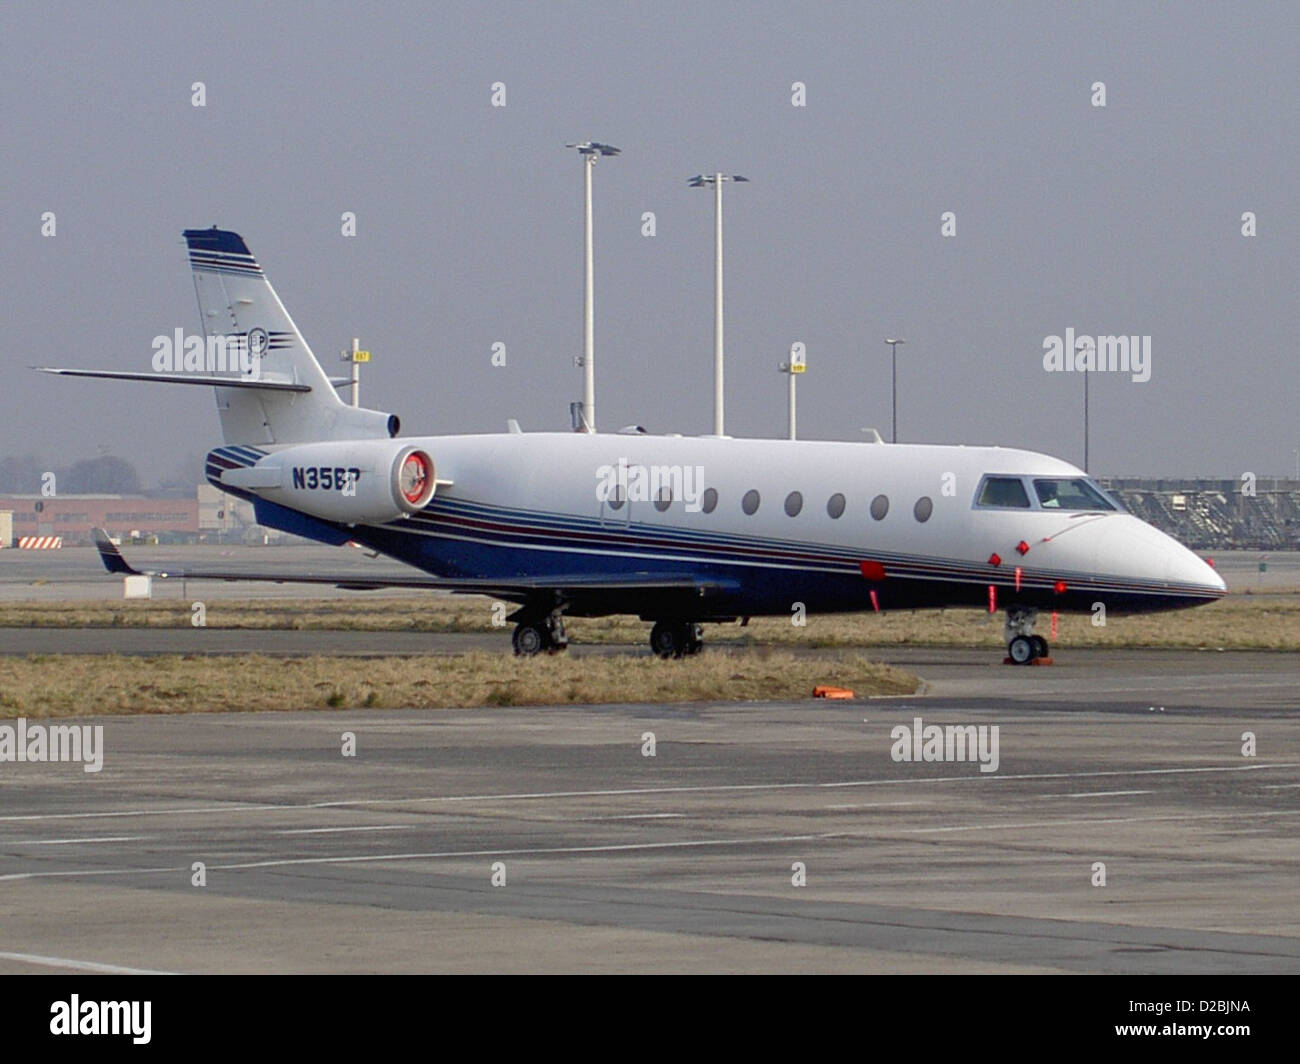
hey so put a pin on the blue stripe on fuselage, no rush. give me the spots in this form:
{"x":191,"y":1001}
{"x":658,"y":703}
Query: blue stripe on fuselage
{"x":455,"y":538}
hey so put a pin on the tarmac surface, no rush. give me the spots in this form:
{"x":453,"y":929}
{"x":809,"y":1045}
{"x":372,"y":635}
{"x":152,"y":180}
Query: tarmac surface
{"x":612,"y":861}
{"x":684,"y":861}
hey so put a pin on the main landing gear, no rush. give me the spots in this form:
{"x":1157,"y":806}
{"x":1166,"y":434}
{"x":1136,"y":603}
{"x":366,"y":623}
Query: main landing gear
{"x":1023,"y":647}
{"x":538,"y":635}
{"x":675,"y":639}
{"x":544,"y":634}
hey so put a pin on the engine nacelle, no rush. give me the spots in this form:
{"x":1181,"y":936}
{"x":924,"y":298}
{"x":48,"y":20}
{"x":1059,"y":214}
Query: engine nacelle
{"x":357,"y":482}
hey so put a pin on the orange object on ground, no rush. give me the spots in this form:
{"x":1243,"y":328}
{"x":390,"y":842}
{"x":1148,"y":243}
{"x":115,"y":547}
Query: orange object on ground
{"x":825,"y":691}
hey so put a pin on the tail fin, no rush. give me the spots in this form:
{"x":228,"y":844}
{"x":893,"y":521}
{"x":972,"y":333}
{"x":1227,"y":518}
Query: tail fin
{"x":237,"y":302}
{"x":110,"y":555}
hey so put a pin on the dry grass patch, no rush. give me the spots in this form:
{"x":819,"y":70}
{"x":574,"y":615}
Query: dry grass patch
{"x":43,"y":685}
{"x":1242,"y":621}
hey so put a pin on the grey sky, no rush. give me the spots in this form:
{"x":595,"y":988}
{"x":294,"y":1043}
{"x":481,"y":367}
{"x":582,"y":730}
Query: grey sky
{"x":1123,"y":219}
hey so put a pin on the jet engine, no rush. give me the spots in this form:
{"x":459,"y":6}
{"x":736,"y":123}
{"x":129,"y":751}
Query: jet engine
{"x":357,"y":482}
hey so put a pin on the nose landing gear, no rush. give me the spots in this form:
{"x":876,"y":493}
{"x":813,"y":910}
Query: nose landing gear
{"x":1023,"y":647}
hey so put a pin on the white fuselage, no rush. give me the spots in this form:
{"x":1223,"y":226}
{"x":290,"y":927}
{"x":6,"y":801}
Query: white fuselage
{"x":539,"y":503}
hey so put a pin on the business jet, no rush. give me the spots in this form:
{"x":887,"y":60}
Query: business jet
{"x":680,"y":531}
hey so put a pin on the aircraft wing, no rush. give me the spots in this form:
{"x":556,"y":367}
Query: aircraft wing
{"x":515,"y":589}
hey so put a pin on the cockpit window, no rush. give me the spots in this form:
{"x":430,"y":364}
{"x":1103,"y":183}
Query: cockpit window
{"x":1071,"y":494}
{"x":1004,"y":491}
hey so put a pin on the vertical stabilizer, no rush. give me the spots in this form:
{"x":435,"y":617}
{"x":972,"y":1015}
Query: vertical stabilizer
{"x":237,"y":302}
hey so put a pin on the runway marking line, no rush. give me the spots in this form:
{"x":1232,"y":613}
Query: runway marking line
{"x":1084,"y":820}
{"x":1091,"y":794}
{"x":331,"y":831}
{"x":81,"y":966}
{"x":703,"y":788}
{"x":631,"y":847}
{"x":384,"y":857}
{"x":74,"y":842}
{"x":639,"y":816}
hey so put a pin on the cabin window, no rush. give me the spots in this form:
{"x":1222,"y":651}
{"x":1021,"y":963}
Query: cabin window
{"x":923,"y":509}
{"x":665,"y":499}
{"x":709,"y":500}
{"x":616,"y":498}
{"x":1074,"y":493}
{"x":1004,"y":492}
{"x":880,"y":507}
{"x":835,"y":505}
{"x":793,"y":503}
{"x":750,"y":502}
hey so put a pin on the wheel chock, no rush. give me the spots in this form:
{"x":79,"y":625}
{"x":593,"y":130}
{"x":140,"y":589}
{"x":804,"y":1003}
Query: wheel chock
{"x":825,"y":691}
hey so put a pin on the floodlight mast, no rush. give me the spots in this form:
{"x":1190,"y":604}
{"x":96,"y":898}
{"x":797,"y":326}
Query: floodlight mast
{"x":716,"y":181}
{"x":893,"y":349}
{"x":591,"y":150}
{"x":797,"y":365}
{"x":1080,"y":348}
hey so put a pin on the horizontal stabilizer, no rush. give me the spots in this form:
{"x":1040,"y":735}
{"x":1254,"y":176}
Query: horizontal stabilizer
{"x":264,"y":384}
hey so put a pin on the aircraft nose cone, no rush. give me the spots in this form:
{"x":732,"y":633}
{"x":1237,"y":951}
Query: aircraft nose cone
{"x":1132,"y":549}
{"x":1186,"y":568}
{"x":1173,"y":563}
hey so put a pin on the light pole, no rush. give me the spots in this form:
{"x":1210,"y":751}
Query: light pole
{"x":591,"y":151}
{"x":716,"y":182}
{"x":798,"y":364}
{"x":1080,"y":346}
{"x":893,"y":345}
{"x":356,"y":357}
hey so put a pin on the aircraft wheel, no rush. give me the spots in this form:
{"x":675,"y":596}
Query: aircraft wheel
{"x":1041,"y":649}
{"x":1021,"y":650}
{"x":530,"y":639}
{"x":668,"y":639}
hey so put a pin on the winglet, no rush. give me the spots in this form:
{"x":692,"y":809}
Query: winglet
{"x":110,"y":555}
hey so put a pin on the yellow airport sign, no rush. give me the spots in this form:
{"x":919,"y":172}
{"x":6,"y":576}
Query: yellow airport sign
{"x":360,"y":356}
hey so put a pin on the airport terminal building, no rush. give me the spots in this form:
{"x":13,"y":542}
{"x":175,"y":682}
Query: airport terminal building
{"x":71,"y":517}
